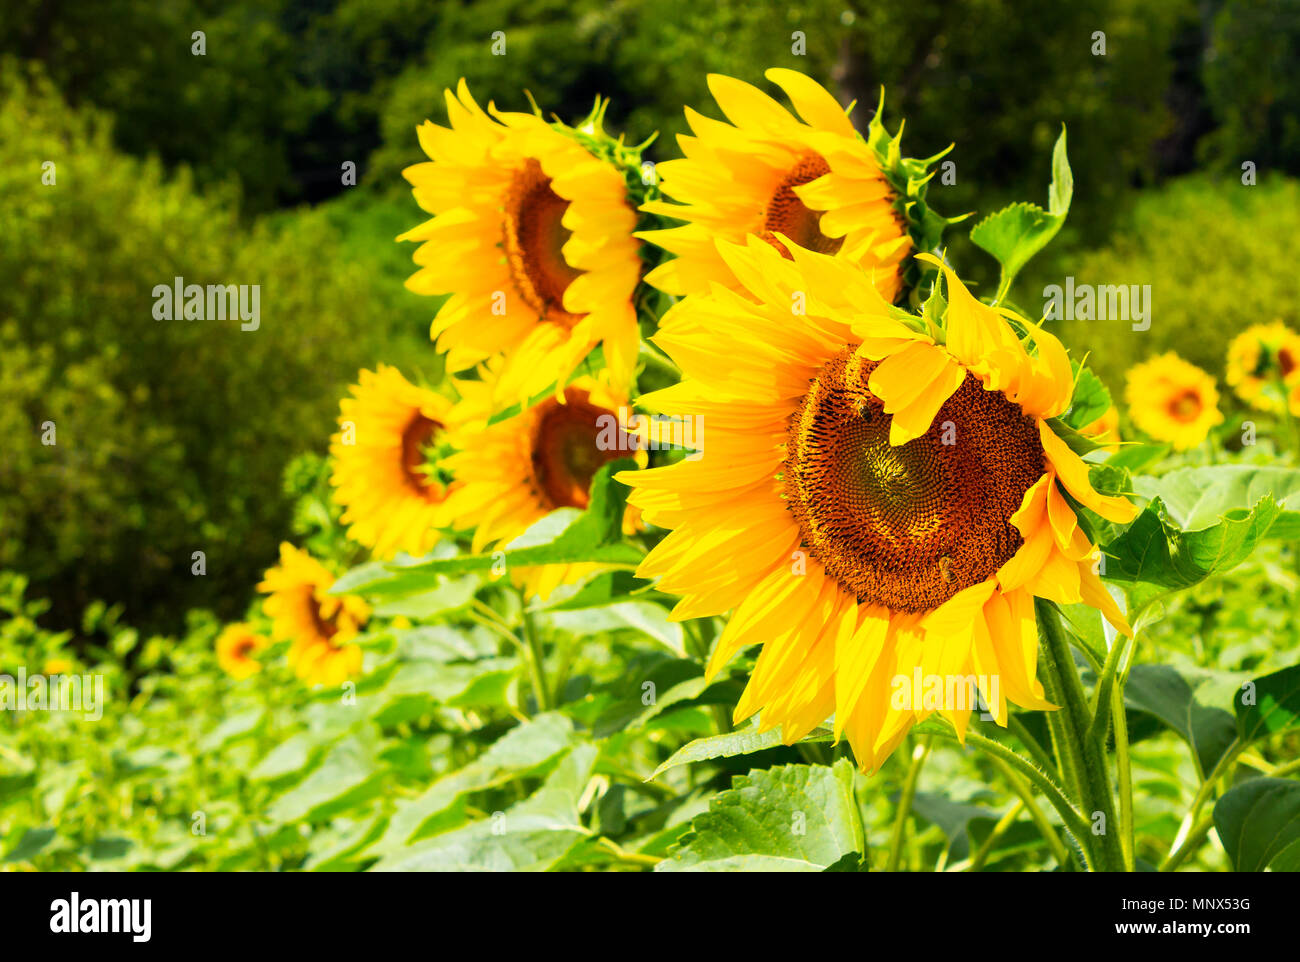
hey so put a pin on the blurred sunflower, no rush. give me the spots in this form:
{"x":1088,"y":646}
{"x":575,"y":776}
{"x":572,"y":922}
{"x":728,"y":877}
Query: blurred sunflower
{"x":1172,"y":400}
{"x":1264,"y":366}
{"x":768,"y":174}
{"x":383,"y":477}
{"x":318,"y":625}
{"x":871,"y":501}
{"x":1104,"y":430}
{"x":532,"y":238}
{"x":58,"y":666}
{"x":236,"y":646}
{"x":514,"y":473}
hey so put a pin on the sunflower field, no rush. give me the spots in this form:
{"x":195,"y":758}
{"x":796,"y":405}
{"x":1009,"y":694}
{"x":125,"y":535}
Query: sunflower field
{"x":769,"y":497}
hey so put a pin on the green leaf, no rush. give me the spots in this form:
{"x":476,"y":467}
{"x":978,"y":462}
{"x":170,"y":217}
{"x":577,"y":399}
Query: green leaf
{"x":1274,"y":704}
{"x":1198,"y":497}
{"x":743,"y":741}
{"x":1160,"y":691}
{"x":348,"y":776}
{"x":31,"y":844}
{"x":521,"y":751}
{"x":955,"y":819}
{"x":1090,"y":400}
{"x":1156,"y":556}
{"x":236,"y":726}
{"x":792,"y":818}
{"x":1259,"y":824}
{"x":532,"y":836}
{"x":1016,"y":233}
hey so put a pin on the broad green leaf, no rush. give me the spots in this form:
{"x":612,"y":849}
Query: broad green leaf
{"x":1090,"y":400}
{"x":645,"y":617}
{"x":1198,"y":497}
{"x":1156,"y":556}
{"x":792,"y":818}
{"x":1259,"y":824}
{"x":1269,"y":704}
{"x":743,"y":741}
{"x":521,"y":751}
{"x":32,"y":843}
{"x":532,"y":836}
{"x":607,"y":588}
{"x":1162,"y":692}
{"x":287,"y":758}
{"x":236,"y":726}
{"x":349,"y":775}
{"x":1016,"y":233}
{"x":955,"y":819}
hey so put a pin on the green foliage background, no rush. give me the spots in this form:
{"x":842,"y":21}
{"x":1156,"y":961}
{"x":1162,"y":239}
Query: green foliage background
{"x":181,"y":436}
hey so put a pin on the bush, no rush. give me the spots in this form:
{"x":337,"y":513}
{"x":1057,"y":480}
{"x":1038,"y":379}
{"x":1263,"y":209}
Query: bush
{"x":1216,"y":255}
{"x":171,"y":435}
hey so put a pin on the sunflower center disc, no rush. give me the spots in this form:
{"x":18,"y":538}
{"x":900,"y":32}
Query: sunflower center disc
{"x":786,"y":213}
{"x":907,"y":527}
{"x":1186,"y":407}
{"x":534,"y":238}
{"x":414,"y":438}
{"x":566,"y":449}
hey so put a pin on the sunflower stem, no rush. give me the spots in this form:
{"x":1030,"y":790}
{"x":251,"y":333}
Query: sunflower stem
{"x":1093,"y":786}
{"x":536,"y":667}
{"x":919,"y":754}
{"x":1045,"y":827}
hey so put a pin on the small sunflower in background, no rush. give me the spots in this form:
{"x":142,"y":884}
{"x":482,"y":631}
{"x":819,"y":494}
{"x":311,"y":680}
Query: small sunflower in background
{"x":318,"y":625}
{"x":532,"y":238}
{"x":875,"y":497}
{"x":236,"y":647}
{"x":772,"y":175}
{"x":511,"y":474}
{"x":390,"y":489}
{"x":1264,"y":366}
{"x":1104,"y":430}
{"x":1172,"y":400}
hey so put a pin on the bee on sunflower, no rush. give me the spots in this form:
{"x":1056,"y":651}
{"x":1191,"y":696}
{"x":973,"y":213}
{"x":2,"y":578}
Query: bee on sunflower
{"x":237,"y":647}
{"x":809,"y":180}
{"x":319,"y":626}
{"x":1264,"y":367}
{"x":511,"y":474}
{"x":888,"y":491}
{"x":384,"y":476}
{"x":1172,"y":400}
{"x":532,"y":236}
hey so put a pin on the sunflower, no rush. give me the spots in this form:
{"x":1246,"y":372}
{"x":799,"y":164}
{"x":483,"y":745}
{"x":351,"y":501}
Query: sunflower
{"x":532,"y":238}
{"x":875,"y":501}
{"x":513,"y":473}
{"x":1173,"y":400}
{"x":1104,"y":430}
{"x":812,"y":182}
{"x":392,"y":497}
{"x":1264,"y":365}
{"x":236,"y":646}
{"x":318,"y":625}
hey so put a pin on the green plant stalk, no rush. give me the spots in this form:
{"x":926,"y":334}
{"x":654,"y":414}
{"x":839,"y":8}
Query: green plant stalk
{"x":1185,"y":844}
{"x":1073,"y":820}
{"x":536,"y":667}
{"x":1093,"y":787}
{"x":1005,"y":822}
{"x":1124,"y":775}
{"x":919,"y":755}
{"x":1045,"y":828}
{"x":1036,"y":751}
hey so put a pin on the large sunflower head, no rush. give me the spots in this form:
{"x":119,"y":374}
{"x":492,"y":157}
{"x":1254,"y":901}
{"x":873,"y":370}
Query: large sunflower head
{"x":237,"y":647}
{"x":318,"y":625}
{"x":1173,"y":400}
{"x":515,"y":472}
{"x":385,"y":472}
{"x":810,"y":181}
{"x":880,"y":497}
{"x":532,"y":237}
{"x":1264,"y":364}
